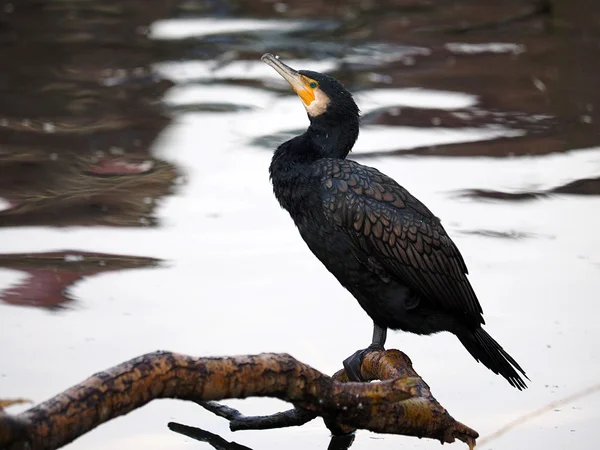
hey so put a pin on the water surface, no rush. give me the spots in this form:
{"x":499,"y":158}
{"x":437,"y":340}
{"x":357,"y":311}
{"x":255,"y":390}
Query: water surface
{"x":137,"y":213}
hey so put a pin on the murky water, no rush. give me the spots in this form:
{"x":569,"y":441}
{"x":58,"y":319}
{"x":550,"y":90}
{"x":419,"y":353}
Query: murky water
{"x":137,"y":213}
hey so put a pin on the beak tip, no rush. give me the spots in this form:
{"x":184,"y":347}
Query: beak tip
{"x":267,"y":56}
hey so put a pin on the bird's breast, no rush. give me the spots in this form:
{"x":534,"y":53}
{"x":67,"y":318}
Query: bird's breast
{"x":297,"y":193}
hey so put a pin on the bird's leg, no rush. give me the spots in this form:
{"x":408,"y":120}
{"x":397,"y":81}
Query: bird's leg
{"x":379,"y":338}
{"x":353,"y":363}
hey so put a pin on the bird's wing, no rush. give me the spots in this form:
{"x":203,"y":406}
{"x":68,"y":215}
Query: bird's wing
{"x":395,"y":229}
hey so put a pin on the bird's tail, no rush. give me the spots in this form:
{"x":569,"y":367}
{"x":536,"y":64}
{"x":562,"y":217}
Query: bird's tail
{"x":487,"y":351}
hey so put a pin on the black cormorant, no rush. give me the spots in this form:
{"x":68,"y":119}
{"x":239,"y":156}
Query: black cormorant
{"x":379,"y":241}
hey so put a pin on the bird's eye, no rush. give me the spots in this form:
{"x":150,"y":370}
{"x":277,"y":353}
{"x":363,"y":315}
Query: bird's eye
{"x":313,"y":84}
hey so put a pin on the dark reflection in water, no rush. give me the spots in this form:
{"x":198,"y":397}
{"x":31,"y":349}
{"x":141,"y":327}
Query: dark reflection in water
{"x":512,"y":234}
{"x":79,"y":100}
{"x":78,"y":114}
{"x":533,"y":65}
{"x":78,"y":97}
{"x":84,"y":190}
{"x":50,"y":275}
{"x":586,"y":186}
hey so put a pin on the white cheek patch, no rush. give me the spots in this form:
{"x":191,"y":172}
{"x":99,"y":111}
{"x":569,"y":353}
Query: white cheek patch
{"x":318,"y":105}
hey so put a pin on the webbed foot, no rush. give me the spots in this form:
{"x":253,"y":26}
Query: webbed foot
{"x":353,"y":363}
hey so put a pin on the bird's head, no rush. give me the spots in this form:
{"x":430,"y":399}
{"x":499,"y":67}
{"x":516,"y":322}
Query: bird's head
{"x":323,"y":96}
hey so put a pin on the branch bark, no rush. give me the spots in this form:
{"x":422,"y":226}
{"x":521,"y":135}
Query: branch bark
{"x":402,"y":404}
{"x":237,"y":421}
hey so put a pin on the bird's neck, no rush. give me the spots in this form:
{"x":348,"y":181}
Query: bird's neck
{"x":292,"y":171}
{"x":333,"y":139}
{"x":322,"y":139}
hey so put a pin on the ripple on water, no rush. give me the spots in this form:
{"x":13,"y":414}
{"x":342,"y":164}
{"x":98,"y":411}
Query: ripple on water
{"x":188,"y":28}
{"x":190,"y":94}
{"x":379,"y":139}
{"x":195,"y":70}
{"x":415,"y":98}
{"x":5,"y":204}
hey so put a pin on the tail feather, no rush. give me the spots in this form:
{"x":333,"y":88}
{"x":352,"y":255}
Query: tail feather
{"x":487,"y":351}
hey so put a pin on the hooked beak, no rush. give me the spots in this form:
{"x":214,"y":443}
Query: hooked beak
{"x":298,"y":82}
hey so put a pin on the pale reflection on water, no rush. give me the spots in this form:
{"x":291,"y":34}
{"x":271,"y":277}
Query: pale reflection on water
{"x":238,"y":279}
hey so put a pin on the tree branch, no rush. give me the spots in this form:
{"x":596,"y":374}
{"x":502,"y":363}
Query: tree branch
{"x":400,"y":405}
{"x":205,"y":436}
{"x":237,"y":421}
{"x":343,"y":442}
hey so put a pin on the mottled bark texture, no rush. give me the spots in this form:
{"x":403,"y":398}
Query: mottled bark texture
{"x":400,"y":405}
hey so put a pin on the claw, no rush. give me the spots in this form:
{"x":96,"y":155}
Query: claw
{"x":353,"y":364}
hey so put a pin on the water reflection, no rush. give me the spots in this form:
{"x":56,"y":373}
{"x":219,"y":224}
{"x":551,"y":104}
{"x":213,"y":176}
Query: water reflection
{"x":77,"y":117}
{"x":49,"y":276}
{"x":112,"y":189}
{"x":585,"y":186}
{"x":79,"y":114}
